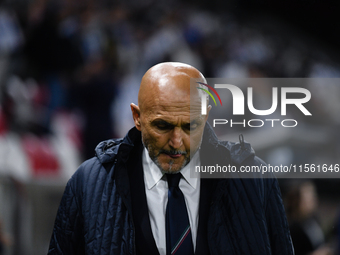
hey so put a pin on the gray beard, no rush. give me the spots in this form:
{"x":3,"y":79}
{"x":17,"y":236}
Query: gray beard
{"x":155,"y":160}
{"x":171,"y":162}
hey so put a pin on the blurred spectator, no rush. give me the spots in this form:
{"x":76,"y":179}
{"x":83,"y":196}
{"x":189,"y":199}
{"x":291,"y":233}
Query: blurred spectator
{"x":307,"y":235}
{"x":92,"y":93}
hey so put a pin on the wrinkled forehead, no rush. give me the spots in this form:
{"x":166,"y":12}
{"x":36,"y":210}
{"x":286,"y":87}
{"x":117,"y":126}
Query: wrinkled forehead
{"x":179,"y":90}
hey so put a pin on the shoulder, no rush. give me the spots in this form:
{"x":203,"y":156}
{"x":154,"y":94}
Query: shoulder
{"x":248,"y":180}
{"x":86,"y":169}
{"x":89,"y":170}
{"x":97,"y":170}
{"x":86,"y":174}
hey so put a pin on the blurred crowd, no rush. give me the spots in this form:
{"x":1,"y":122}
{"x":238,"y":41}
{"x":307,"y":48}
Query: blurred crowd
{"x":69,"y":69}
{"x":86,"y":58}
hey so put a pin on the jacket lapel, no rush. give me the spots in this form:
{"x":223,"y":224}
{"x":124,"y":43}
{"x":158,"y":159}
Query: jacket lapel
{"x":145,"y":243}
{"x":207,"y":186}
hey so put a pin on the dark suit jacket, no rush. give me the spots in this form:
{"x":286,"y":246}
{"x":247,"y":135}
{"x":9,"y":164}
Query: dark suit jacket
{"x":104,"y":211}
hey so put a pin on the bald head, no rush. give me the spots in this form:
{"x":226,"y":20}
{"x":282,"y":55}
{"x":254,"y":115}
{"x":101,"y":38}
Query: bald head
{"x":168,"y":79}
{"x":169,"y":116}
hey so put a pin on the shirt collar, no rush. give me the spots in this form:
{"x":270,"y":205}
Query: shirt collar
{"x":191,"y":177}
{"x":153,"y":175}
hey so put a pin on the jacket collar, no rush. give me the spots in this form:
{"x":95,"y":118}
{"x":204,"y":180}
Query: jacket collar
{"x":108,"y":150}
{"x":237,"y":153}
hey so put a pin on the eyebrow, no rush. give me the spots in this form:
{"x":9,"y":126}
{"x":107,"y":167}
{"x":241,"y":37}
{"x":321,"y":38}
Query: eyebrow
{"x":164,"y":122}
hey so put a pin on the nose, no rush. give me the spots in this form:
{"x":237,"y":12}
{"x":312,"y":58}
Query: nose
{"x":176,"y":140}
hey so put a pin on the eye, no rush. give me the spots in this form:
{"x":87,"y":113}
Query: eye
{"x":163,"y":125}
{"x":193,"y":126}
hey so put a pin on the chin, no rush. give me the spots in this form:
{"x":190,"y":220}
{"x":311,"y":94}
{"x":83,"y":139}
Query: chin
{"x":170,"y":167}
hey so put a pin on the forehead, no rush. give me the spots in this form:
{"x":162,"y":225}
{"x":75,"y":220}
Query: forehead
{"x":177,"y":101}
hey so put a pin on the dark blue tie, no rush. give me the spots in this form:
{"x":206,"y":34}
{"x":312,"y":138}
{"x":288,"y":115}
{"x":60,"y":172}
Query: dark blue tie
{"x":178,"y":231}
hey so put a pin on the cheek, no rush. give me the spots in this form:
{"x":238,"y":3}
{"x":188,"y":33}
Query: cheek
{"x":152,"y":138}
{"x":195,"y":139}
{"x":187,"y":141}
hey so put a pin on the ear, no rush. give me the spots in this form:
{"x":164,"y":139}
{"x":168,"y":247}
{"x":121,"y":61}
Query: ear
{"x":136,"y":115}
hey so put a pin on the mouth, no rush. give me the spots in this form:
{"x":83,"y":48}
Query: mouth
{"x":174,"y":154}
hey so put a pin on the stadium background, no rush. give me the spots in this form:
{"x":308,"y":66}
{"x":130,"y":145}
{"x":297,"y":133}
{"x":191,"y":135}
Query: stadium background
{"x":69,"y":70}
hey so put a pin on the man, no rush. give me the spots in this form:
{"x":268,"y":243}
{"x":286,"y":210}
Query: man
{"x":125,"y":200}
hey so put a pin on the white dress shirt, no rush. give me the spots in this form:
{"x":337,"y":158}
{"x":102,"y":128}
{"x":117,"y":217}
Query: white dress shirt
{"x":156,"y":189}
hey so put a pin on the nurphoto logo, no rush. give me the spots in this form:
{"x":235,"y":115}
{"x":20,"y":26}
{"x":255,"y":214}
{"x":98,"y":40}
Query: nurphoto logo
{"x":238,"y":99}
